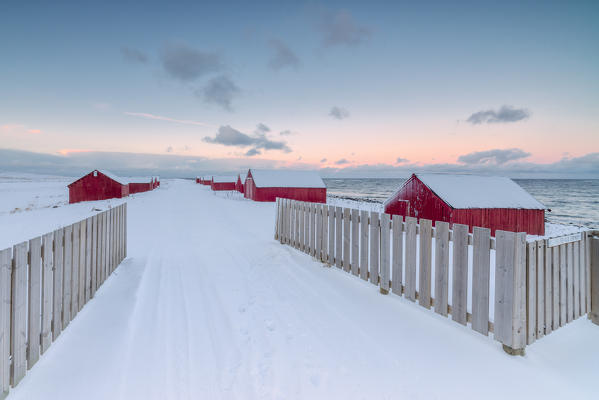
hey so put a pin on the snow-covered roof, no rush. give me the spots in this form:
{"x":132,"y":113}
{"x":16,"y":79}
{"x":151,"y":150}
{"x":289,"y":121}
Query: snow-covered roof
{"x":472,"y":191}
{"x":224,"y":179}
{"x":137,"y":179}
{"x":104,"y":172}
{"x":286,"y":178}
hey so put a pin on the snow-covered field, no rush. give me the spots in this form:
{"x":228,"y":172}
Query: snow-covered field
{"x":208,"y":306}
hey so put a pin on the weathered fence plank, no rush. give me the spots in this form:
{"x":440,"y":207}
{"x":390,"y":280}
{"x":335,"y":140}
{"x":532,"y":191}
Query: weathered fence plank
{"x":297,"y":225}
{"x":548,"y":289}
{"x":338,"y":237}
{"x":319,"y":223}
{"x":556,"y":286}
{"x":592,"y":285}
{"x":346,"y":239}
{"x":75,"y":274}
{"x":35,"y":301}
{"x":583,"y":276}
{"x":94,"y":256}
{"x":331,"y":240}
{"x":385,"y":266}
{"x":540,"y":306}
{"x":364,"y":245}
{"x":374,"y":247}
{"x":576,"y":275}
{"x":410,"y":289}
{"x":88,"y":255}
{"x":397,"y":256}
{"x":57,"y":294}
{"x":569,"y":283}
{"x":563,"y":294}
{"x":355,"y":242}
{"x":325,"y":234}
{"x":67,"y":276}
{"x":302,"y":242}
{"x":18,"y":323}
{"x":592,"y":245}
{"x":481,"y":242}
{"x":5,"y":305}
{"x":313,"y":229}
{"x":441,"y":267}
{"x":307,"y":228}
{"x":47,"y":288}
{"x":459,"y":298}
{"x":531,"y":283}
{"x":424,"y":276}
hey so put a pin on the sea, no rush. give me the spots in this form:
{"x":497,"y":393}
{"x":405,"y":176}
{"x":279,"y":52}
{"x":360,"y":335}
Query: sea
{"x":571,"y":201}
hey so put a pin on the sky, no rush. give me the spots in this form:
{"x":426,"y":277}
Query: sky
{"x":378,"y":89}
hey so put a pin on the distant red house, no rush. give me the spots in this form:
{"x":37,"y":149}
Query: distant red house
{"x":267,"y":185}
{"x":240,"y":184}
{"x":223,"y":183}
{"x":206,"y":180}
{"x":97,"y":185}
{"x":198,"y":179}
{"x":487,"y":201}
{"x":138,"y":185}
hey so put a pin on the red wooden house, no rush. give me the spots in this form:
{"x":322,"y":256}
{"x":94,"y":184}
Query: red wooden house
{"x":97,"y":185}
{"x":487,"y":201}
{"x":267,"y":185}
{"x":138,"y":185}
{"x":223,"y":183}
{"x":240,"y":184}
{"x":206,"y":180}
{"x":198,"y":179}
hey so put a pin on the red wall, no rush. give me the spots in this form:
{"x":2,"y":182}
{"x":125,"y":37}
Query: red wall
{"x":423,"y":203}
{"x":222,"y":186}
{"x":239,"y":185}
{"x":100,"y":187}
{"x":314,"y":195}
{"x":139,"y":187}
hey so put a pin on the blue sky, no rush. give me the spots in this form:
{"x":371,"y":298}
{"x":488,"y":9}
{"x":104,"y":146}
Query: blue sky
{"x":82,"y":78}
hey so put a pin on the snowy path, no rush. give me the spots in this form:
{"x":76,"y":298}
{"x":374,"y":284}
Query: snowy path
{"x":209,"y":306}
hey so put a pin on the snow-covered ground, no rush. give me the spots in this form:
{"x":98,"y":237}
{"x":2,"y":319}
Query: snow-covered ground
{"x":208,"y":306}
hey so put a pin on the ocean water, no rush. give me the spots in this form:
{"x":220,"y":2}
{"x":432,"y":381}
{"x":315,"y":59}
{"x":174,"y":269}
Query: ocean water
{"x":571,"y":201}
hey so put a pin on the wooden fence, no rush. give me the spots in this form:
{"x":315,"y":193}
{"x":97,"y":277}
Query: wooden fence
{"x":46,"y":281}
{"x":535,"y":287}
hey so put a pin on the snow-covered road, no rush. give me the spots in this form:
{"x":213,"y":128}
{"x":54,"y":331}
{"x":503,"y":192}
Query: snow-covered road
{"x":209,"y":306}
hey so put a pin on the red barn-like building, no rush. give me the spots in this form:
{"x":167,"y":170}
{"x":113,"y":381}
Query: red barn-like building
{"x":267,"y":185}
{"x":138,"y":185}
{"x":240,"y":184}
{"x":97,"y":185}
{"x":487,"y":201}
{"x":223,"y":183}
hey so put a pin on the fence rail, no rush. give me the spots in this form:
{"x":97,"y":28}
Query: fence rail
{"x":46,"y":281}
{"x":519,"y":291}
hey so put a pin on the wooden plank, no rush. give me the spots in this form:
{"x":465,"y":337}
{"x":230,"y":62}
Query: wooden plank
{"x":5,"y":305}
{"x":410,"y":289}
{"x":364,"y":245}
{"x":424,"y":264}
{"x":100,"y":261}
{"x":504,"y":286}
{"x":331,"y":251}
{"x":94,"y":256}
{"x":88,"y":255}
{"x":125,"y":233}
{"x":576,"y":275}
{"x":313,"y":229}
{"x":307,"y":228}
{"x":459,"y":295}
{"x":319,"y":223}
{"x":297,"y":225}
{"x":57,"y":294}
{"x":302,"y":242}
{"x":481,"y":265}
{"x":563,"y":299}
{"x":18,"y":322}
{"x":47,"y":289}
{"x":346,"y":239}
{"x":589,"y":274}
{"x":355,"y":242}
{"x":540,"y":244}
{"x":374,"y":247}
{"x":67,"y":277}
{"x":583,"y":278}
{"x":548,"y":290}
{"x":75,"y":274}
{"x":569,"y":283}
{"x":385,"y":249}
{"x":325,"y":234}
{"x":531,"y":290}
{"x":338,"y":237}
{"x":397,"y":255}
{"x":556,"y":286}
{"x":83,"y":259}
{"x":441,"y":267}
{"x":592,"y":245}
{"x":519,"y":315}
{"x":35,"y":301}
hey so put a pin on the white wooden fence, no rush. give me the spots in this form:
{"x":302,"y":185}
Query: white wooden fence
{"x":46,"y":281}
{"x":534,"y":287}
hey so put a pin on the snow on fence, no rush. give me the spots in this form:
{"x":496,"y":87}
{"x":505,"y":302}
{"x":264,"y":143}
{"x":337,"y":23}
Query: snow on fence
{"x":517,"y":290}
{"x":46,"y":281}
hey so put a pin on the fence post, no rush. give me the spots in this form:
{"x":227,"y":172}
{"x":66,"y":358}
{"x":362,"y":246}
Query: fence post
{"x":510,"y":291}
{"x":594,"y":314}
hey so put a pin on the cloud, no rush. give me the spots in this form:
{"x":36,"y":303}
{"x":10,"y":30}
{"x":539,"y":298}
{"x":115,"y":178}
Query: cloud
{"x":133,"y":55}
{"x":168,"y":119}
{"x":340,"y":29}
{"x":401,"y":160}
{"x":18,"y":129}
{"x":323,"y":160}
{"x":287,"y":132}
{"x":261,"y":128}
{"x":228,"y":136}
{"x":342,"y":161}
{"x":339,"y":113}
{"x":220,"y":91}
{"x":187,"y":64}
{"x":169,"y":149}
{"x":494,"y":156}
{"x":283,"y":56}
{"x":504,"y":115}
{"x":252,"y":152}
